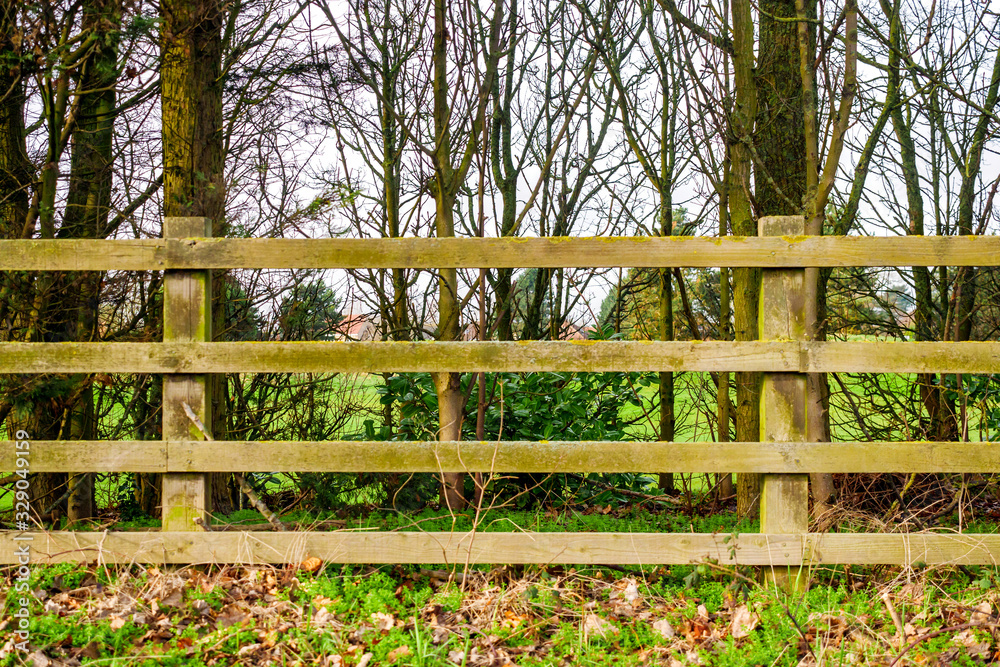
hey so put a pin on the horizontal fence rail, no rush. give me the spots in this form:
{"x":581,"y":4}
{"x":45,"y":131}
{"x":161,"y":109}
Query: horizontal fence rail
{"x":459,"y":548}
{"x":534,"y":356}
{"x":184,"y":360}
{"x":507,"y":456}
{"x":549,"y":252}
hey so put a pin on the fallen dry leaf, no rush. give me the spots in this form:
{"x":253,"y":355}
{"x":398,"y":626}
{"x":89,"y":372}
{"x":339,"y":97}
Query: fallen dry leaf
{"x":973,"y":647}
{"x":311,"y":564}
{"x":983,"y":613}
{"x":743,"y":623}
{"x":230,"y":616}
{"x":512,"y":620}
{"x":117,"y":623}
{"x":322,"y":617}
{"x":174,"y":599}
{"x":595,"y":625}
{"x":965,"y":638}
{"x":912,"y":592}
{"x":694,"y":658}
{"x":383,"y":622}
{"x":247,"y":650}
{"x":397,"y":653}
{"x":664,"y":629}
{"x":697,"y":628}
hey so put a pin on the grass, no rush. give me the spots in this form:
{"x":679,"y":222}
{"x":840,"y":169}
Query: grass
{"x":324,"y":614}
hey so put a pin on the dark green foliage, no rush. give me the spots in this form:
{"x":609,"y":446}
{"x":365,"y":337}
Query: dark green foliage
{"x":310,"y":311}
{"x":243,"y":321}
{"x":125,"y":498}
{"x":978,"y":390}
{"x":527,"y":406}
{"x":27,"y":392}
{"x":519,"y":406}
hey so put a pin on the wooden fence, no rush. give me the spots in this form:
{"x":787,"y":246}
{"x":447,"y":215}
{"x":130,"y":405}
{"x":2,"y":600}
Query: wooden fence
{"x":186,"y":355}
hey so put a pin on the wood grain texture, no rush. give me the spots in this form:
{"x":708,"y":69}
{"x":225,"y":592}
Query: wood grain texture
{"x":508,"y":456}
{"x":559,"y":356}
{"x":557,"y":252}
{"x":459,"y":548}
{"x":90,"y":455}
{"x":784,"y":498}
{"x":187,"y":317}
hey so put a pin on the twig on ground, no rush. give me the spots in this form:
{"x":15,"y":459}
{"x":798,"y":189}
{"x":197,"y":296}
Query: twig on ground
{"x":894,"y":615}
{"x":937,"y":633}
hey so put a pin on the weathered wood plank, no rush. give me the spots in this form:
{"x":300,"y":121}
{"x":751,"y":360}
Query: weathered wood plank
{"x":603,"y":456}
{"x":187,"y":317}
{"x":458,"y":548}
{"x":508,"y":456}
{"x":893,"y":357}
{"x":784,"y":498}
{"x":90,"y":455}
{"x":430,"y":253}
{"x":557,"y":356}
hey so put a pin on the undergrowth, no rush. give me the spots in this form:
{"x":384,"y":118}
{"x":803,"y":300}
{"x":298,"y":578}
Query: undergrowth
{"x":326,"y":615}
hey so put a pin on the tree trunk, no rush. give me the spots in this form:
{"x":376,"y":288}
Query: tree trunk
{"x":193,"y":158}
{"x":505,"y":173}
{"x":88,"y":206}
{"x":445,"y":185}
{"x":746,"y":281}
{"x":970,"y":170}
{"x":15,"y":169}
{"x":665,"y":187}
{"x":914,"y":207}
{"x":780,"y":180}
{"x":724,"y":480}
{"x":63,"y":307}
{"x":666,"y":326}
{"x":15,"y":179}
{"x":780,"y":164}
{"x":450,"y":398}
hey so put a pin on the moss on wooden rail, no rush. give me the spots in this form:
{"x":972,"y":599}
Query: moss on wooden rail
{"x":556,"y":356}
{"x":558,"y":252}
{"x":460,"y":548}
{"x":507,"y":456}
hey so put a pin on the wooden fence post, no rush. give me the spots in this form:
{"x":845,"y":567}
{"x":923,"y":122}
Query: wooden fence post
{"x":784,"y":503}
{"x":187,"y":317}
